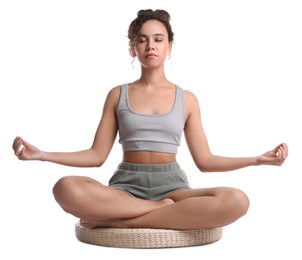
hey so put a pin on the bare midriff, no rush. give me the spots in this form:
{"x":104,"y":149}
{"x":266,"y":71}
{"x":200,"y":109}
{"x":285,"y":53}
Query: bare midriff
{"x":147,"y":157}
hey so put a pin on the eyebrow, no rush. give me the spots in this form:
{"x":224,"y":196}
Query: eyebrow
{"x":157,"y":34}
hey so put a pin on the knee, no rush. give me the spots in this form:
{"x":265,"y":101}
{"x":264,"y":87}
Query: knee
{"x":67,"y":187}
{"x":239,"y":202}
{"x":62,"y":187}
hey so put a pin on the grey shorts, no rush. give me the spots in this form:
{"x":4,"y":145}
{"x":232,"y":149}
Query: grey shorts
{"x":149,"y":181}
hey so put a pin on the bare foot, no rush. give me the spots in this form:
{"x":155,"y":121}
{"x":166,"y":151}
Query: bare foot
{"x":117,"y":223}
{"x":93,"y":223}
{"x":167,"y":202}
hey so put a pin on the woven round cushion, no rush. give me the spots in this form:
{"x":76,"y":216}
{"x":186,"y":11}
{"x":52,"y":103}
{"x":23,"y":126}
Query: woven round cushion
{"x":146,"y":237}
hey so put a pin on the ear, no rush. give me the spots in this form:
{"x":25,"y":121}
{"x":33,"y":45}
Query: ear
{"x":169,"y":49}
{"x":132,"y":52}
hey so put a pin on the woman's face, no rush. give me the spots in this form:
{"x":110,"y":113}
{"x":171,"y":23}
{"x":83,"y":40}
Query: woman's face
{"x":152,"y":45}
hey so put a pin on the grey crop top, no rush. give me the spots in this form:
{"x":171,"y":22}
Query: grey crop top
{"x":148,"y":132}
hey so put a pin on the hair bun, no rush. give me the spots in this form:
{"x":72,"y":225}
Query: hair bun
{"x":163,"y":14}
{"x":146,"y":12}
{"x":159,"y":13}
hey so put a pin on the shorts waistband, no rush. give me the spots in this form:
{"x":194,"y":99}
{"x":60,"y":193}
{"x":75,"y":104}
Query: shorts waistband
{"x":164,"y":167}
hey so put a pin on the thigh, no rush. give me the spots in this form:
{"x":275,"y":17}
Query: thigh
{"x":73,"y":189}
{"x":201,"y":192}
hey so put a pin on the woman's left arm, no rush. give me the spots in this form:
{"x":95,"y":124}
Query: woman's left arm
{"x":200,"y":151}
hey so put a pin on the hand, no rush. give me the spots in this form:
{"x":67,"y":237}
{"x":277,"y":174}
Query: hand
{"x":26,"y":151}
{"x":276,"y":156}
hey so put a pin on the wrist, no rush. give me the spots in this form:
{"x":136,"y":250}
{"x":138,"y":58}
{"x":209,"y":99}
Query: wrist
{"x":257,"y":161}
{"x":43,"y":156}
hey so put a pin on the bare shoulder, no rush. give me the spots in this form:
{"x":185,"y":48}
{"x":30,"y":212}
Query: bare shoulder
{"x":114,"y":92}
{"x":190,"y":96}
{"x":113,"y":95}
{"x":191,"y":101}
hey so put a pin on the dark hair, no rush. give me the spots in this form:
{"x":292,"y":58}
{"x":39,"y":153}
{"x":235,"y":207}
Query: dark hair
{"x":146,"y":15}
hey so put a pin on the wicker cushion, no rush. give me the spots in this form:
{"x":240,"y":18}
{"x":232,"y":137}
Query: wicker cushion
{"x":146,"y":237}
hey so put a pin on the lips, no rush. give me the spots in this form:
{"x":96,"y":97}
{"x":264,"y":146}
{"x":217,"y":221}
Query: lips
{"x":151,"y":55}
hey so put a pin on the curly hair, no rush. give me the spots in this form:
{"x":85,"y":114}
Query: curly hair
{"x":144,"y":16}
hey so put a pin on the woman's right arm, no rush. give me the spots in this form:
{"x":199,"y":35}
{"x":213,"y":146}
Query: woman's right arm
{"x":95,"y":156}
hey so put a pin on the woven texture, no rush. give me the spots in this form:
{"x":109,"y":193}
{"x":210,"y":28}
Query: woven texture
{"x":146,"y":237}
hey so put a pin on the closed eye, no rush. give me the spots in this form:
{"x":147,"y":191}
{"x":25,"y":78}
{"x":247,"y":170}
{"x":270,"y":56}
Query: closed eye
{"x":158,"y":37}
{"x":142,"y":39}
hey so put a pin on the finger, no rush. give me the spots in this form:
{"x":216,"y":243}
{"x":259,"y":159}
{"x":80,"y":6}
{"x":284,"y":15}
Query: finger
{"x":280,"y":149}
{"x":18,"y":141}
{"x":280,"y":153}
{"x":281,"y":156}
{"x":275,"y":150}
{"x":19,"y":148}
{"x":285,"y":147}
{"x":284,"y":151}
{"x":20,"y":154}
{"x":21,"y":151}
{"x":26,"y":144}
{"x":15,"y":142}
{"x":16,"y":148}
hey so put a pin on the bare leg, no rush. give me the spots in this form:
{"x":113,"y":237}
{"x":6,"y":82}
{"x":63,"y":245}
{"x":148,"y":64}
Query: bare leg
{"x":86,"y":198}
{"x":193,"y":209}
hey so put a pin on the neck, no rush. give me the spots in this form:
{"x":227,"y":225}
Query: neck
{"x":153,"y":77}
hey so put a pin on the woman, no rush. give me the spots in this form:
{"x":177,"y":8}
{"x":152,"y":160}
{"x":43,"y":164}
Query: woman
{"x":149,"y":189}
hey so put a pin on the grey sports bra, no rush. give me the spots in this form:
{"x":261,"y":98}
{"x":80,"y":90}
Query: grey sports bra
{"x":159,"y":133}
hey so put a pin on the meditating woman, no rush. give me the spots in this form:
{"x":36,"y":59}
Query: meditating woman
{"x":149,"y":188}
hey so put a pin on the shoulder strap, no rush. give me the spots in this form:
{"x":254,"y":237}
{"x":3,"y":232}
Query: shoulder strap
{"x":123,"y":97}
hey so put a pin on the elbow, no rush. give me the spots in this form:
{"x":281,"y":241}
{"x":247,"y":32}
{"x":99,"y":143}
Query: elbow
{"x":97,"y":158}
{"x":206,"y":168}
{"x":202,"y":169}
{"x":98,"y":163}
{"x":204,"y":165}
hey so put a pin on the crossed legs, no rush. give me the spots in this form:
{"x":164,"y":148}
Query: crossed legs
{"x":99,"y":205}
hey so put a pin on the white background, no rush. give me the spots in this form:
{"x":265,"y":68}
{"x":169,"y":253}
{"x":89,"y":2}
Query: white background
{"x":243,"y":60}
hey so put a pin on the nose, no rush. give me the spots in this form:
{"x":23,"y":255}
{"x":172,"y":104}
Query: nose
{"x":150,"y":45}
